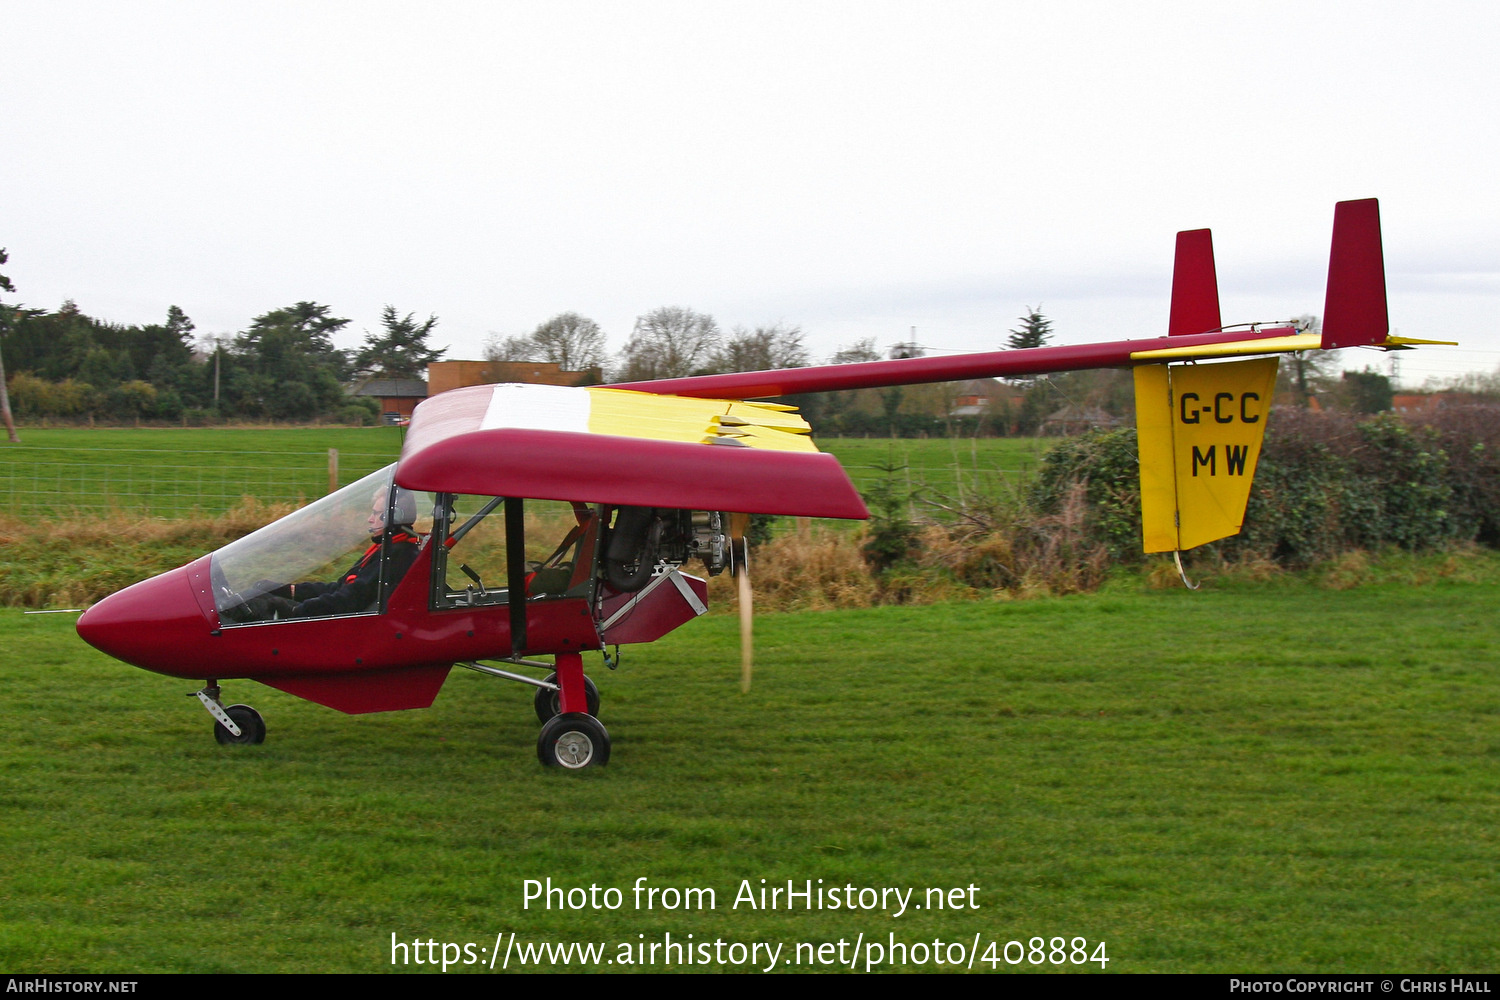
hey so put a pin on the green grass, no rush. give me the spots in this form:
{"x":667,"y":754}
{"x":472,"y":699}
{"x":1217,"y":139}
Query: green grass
{"x":947,"y":466}
{"x":172,"y":472}
{"x":1249,"y":778}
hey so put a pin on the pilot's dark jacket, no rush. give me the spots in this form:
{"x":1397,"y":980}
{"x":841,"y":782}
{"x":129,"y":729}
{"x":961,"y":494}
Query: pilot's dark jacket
{"x":358,"y":589}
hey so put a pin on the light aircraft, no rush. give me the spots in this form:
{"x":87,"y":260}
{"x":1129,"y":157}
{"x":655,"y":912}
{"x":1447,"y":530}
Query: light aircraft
{"x":526,"y":520}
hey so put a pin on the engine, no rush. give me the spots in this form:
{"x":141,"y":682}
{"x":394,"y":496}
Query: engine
{"x":641,"y":539}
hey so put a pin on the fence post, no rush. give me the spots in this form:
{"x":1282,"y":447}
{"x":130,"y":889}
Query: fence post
{"x":333,"y":470}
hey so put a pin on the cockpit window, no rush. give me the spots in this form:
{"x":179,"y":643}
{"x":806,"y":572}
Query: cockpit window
{"x":338,"y":556}
{"x":470,"y":565}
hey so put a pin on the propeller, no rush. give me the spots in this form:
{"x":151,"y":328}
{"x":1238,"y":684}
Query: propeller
{"x":739,"y":550}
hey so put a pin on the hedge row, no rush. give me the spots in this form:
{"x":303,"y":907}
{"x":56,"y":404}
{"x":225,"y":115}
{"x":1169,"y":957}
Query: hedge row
{"x":1327,"y":483}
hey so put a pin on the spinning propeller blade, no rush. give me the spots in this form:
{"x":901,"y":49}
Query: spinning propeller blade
{"x":738,"y":525}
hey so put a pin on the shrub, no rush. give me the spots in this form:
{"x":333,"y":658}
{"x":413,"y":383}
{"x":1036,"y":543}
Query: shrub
{"x":1470,"y":438}
{"x":1105,"y":466}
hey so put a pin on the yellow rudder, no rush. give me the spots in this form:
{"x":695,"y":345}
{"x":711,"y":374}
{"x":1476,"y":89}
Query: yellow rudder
{"x":1200,"y":428}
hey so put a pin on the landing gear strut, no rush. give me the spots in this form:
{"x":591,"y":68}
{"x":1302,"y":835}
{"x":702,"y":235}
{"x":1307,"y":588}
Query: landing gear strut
{"x":573,"y":738}
{"x":548,"y":703}
{"x":233,"y":726}
{"x":566,"y":703}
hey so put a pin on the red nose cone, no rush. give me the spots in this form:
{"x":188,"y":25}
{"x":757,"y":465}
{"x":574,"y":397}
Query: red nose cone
{"x":158,"y":624}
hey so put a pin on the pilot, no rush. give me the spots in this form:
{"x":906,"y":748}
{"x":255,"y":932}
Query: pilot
{"x":358,"y":589}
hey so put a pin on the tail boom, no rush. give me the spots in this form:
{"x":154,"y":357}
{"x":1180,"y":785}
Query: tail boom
{"x":912,"y":371}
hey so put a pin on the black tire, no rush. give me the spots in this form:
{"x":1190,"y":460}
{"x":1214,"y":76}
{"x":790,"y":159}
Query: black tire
{"x":252,"y":727}
{"x":573,"y":741}
{"x":549,"y":703}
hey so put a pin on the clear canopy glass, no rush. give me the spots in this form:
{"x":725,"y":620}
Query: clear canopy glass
{"x":320,"y":542}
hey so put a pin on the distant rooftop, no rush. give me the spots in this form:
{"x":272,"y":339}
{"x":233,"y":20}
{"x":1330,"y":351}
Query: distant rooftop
{"x":390,"y":388}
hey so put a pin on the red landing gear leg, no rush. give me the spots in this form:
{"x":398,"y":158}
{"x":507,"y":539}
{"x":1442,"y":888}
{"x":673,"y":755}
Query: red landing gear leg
{"x":574,"y":697}
{"x":573,"y":739}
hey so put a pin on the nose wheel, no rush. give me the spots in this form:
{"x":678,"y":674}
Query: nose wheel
{"x":237,"y":725}
{"x":247,"y":720}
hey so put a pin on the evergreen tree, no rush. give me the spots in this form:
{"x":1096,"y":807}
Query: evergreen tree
{"x":1367,"y":391}
{"x":285,"y":366}
{"x":1035,"y":331}
{"x":401,"y":351}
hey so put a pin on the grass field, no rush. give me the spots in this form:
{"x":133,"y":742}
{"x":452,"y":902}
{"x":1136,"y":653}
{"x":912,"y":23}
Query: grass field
{"x":1256,"y":777}
{"x":172,"y":472}
{"x":182,"y":472}
{"x":945,"y":466}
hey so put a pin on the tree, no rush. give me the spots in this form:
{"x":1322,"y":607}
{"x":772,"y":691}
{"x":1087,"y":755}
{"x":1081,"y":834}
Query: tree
{"x":10,"y":423}
{"x":401,"y":351}
{"x":179,"y":324}
{"x":1044,"y":396}
{"x":285,"y":366}
{"x":763,"y":349}
{"x":1035,"y":331}
{"x":860,"y":350}
{"x":163,"y":352}
{"x":845,"y":412}
{"x":572,"y":342}
{"x":304,"y":329}
{"x":507,"y":349}
{"x":1367,"y":391}
{"x":669,"y":342}
{"x":1303,"y":374}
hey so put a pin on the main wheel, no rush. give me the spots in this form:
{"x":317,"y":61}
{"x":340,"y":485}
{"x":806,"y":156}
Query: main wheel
{"x":252,"y":727}
{"x":574,"y":741}
{"x":549,"y":703}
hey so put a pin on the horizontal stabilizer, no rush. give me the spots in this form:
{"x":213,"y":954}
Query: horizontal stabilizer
{"x":1239,"y":348}
{"x":1195,"y":286}
{"x":1354,"y":313}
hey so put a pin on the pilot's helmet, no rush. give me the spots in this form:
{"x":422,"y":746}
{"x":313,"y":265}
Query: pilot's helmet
{"x":403,"y":506}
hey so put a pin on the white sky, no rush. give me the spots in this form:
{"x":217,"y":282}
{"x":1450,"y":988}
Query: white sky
{"x":856,"y":168}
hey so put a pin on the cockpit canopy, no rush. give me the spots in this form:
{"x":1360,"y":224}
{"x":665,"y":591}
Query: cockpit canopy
{"x":362,"y":531}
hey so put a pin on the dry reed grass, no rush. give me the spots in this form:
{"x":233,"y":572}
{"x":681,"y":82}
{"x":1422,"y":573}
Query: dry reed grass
{"x":996,"y":554}
{"x":812,"y":571}
{"x":75,"y":562}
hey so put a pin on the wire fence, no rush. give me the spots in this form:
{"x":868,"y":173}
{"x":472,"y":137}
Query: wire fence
{"x":170,"y":484}
{"x":61,"y":482}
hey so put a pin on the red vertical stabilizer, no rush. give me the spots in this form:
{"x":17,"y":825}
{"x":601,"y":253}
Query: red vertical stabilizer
{"x":1195,"y":286}
{"x":1355,"y":312}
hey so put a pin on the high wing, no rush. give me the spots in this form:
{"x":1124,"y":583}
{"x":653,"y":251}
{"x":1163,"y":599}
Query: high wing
{"x":611,"y":446}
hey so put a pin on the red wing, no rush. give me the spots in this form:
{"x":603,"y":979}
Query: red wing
{"x":624,"y":448}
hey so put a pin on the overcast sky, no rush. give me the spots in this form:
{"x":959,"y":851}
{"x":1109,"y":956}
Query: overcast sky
{"x":858,"y":169}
